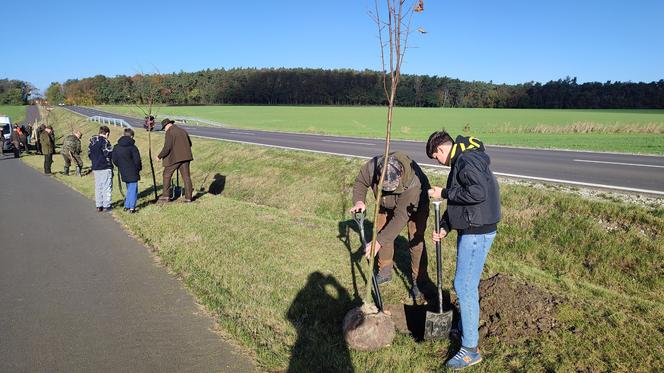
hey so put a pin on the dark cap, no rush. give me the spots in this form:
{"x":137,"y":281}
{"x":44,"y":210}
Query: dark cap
{"x":165,"y":122}
{"x":393,"y":174}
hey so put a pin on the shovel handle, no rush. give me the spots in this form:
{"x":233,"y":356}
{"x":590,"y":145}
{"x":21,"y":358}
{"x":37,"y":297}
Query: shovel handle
{"x":359,"y":219}
{"x":439,"y":257}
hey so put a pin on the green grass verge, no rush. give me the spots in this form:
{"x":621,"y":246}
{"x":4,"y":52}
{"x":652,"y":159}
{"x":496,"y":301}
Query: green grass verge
{"x":15,"y":112}
{"x":270,"y":258}
{"x":632,"y":131}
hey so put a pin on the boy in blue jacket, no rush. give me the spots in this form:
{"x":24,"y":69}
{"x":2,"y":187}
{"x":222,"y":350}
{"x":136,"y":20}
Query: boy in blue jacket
{"x":473,"y":210}
{"x":100,"y":152}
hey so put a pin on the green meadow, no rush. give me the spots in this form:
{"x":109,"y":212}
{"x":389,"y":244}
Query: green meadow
{"x":630,"y":131}
{"x":15,"y":112}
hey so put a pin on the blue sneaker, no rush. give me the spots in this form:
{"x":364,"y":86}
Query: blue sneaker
{"x":464,"y":358}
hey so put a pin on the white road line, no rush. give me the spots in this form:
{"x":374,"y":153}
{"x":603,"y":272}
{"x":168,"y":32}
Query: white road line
{"x":559,"y":181}
{"x":603,"y":186}
{"x":619,"y":163}
{"x":242,"y":133}
{"x":349,"y":142}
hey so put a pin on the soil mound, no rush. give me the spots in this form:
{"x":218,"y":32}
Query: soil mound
{"x":512,"y":310}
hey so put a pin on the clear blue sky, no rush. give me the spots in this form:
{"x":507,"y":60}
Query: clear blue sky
{"x":503,"y":41}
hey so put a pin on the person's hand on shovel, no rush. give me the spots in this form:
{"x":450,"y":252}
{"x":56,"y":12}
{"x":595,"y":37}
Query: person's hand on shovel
{"x":439,"y":236}
{"x":437,"y":193}
{"x":367,"y":249}
{"x":359,"y":207}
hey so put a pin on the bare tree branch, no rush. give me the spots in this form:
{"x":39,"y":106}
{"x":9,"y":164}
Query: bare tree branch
{"x":397,"y":43}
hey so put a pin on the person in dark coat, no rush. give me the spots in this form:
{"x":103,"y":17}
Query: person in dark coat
{"x":176,"y":154}
{"x":127,"y":159}
{"x":15,"y":138}
{"x":473,"y":210}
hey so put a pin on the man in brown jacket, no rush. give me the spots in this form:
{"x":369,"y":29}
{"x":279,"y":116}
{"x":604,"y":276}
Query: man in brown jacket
{"x":404,"y":202}
{"x":176,"y":155}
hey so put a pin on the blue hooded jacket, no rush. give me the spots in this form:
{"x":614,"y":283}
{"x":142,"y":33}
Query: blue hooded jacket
{"x":100,"y":151}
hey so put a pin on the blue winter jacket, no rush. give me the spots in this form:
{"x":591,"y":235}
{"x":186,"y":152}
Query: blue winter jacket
{"x":100,"y":151}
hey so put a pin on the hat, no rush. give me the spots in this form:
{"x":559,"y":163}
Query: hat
{"x":165,"y":122}
{"x":393,"y":174}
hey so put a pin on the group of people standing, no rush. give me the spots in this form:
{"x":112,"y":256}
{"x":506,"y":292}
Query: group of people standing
{"x":104,"y":157}
{"x":43,"y":138}
{"x":125,"y":155}
{"x":473,"y":210}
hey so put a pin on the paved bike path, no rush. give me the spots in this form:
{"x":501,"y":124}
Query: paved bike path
{"x":78,"y":294}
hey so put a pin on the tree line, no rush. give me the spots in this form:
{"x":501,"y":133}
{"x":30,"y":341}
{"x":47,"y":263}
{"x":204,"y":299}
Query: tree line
{"x":14,"y":92}
{"x":299,"y":86}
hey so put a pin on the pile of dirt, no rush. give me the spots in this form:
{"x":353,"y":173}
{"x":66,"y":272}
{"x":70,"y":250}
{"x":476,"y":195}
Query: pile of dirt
{"x":509,"y":310}
{"x":512,"y":310}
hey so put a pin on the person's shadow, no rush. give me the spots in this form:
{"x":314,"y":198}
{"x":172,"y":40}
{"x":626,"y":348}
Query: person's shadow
{"x":317,"y":314}
{"x":218,"y":184}
{"x":355,"y":257}
{"x":402,"y":265}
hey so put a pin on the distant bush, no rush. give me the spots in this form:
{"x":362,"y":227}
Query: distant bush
{"x":14,"y":92}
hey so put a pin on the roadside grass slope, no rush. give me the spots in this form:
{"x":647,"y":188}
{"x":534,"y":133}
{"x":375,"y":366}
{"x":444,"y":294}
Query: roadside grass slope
{"x":275,"y":258}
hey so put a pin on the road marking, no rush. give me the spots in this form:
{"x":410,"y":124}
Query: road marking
{"x":349,"y":142}
{"x":241,"y":133}
{"x":619,"y":163}
{"x":603,"y":186}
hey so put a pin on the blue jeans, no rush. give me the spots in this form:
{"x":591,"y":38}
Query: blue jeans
{"x":132,"y":195}
{"x":472,"y":250}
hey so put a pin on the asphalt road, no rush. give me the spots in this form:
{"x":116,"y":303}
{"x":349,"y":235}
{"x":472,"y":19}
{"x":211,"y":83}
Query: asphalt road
{"x":624,"y":172}
{"x":32,"y":114}
{"x":78,"y":295}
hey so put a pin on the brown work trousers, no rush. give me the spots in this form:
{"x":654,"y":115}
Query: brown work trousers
{"x":417,"y":225}
{"x":186,"y":176}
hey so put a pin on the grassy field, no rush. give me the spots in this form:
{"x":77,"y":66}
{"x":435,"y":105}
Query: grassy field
{"x":275,"y":259}
{"x":634,"y":131}
{"x":15,"y":112}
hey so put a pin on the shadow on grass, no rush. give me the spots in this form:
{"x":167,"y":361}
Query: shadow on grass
{"x":317,"y":313}
{"x":216,"y":187}
{"x":402,"y":260}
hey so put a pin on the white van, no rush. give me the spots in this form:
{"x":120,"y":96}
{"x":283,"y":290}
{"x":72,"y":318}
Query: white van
{"x":6,"y":126}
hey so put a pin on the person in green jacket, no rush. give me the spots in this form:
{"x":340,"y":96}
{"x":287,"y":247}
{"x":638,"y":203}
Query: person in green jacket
{"x":71,"y":151}
{"x":47,"y":140}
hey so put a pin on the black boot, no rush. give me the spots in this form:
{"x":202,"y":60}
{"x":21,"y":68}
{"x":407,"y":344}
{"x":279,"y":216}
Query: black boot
{"x":384,"y":275}
{"x":417,"y":295}
{"x":66,"y":171}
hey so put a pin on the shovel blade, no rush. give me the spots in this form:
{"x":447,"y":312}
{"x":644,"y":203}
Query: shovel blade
{"x":437,"y":325}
